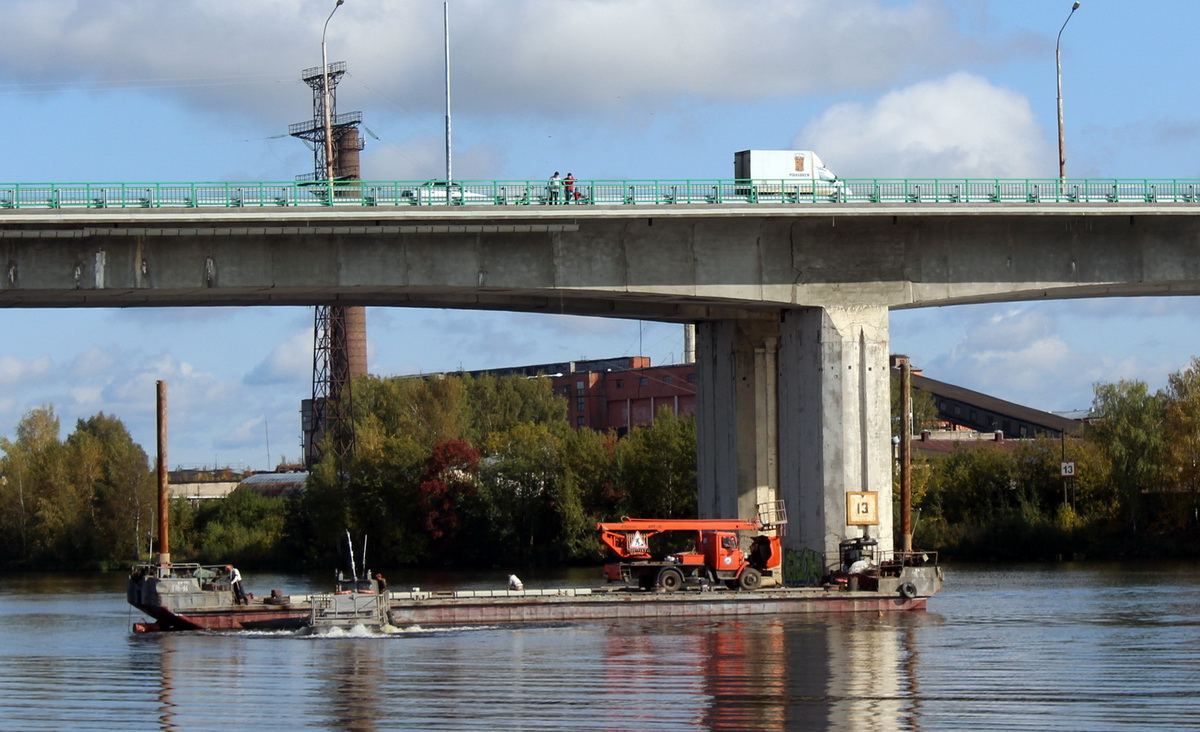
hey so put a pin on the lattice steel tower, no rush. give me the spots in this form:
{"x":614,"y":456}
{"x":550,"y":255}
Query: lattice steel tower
{"x":339,"y":331}
{"x":346,"y":142}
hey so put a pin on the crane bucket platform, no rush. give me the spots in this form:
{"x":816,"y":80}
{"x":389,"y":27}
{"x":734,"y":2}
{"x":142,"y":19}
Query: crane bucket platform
{"x":773,"y":515}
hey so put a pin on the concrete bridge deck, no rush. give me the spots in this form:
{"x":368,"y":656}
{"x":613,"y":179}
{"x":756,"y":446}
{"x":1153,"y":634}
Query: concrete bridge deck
{"x":682,"y":263}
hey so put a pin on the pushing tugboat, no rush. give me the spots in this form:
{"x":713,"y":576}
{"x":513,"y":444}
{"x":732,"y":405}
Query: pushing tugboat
{"x":733,"y":567}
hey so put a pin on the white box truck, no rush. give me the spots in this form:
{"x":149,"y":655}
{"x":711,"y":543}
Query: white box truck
{"x":783,"y":173}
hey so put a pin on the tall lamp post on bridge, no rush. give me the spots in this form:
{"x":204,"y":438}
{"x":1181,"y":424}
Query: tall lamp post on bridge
{"x":1062,"y":154}
{"x":329,"y":118}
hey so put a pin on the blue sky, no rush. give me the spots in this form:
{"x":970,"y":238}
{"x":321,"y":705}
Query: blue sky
{"x":142,"y":90}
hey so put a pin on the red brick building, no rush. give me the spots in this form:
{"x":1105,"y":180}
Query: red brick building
{"x":614,"y":393}
{"x":619,"y":398}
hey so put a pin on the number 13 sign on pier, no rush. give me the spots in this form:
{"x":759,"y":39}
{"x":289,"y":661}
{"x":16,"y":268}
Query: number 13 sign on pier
{"x":862,"y":508}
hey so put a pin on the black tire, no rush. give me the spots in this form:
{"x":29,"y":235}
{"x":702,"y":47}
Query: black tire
{"x":670,"y":579}
{"x":908,"y":590}
{"x":749,"y":579}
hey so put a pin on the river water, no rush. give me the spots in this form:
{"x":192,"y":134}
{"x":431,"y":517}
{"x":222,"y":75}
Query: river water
{"x":1063,"y":647}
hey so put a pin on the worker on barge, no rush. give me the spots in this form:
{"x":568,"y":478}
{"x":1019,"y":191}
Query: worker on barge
{"x":235,"y":584}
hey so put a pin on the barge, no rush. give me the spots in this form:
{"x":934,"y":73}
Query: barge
{"x":182,"y":597}
{"x":719,"y":577}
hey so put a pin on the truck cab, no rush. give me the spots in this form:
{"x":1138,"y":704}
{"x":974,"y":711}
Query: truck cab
{"x":722,"y":552}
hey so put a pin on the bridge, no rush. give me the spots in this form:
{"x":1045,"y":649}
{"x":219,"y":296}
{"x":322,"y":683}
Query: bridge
{"x":790,"y":290}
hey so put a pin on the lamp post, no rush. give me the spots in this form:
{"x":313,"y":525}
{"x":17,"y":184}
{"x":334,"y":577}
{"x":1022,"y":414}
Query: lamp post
{"x":325,"y":93}
{"x":1062,"y":154}
{"x":446,"y":44}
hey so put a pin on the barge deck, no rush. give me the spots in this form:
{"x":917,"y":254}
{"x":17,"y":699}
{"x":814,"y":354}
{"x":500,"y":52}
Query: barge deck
{"x":178,"y":600}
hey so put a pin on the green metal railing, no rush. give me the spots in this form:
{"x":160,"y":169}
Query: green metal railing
{"x":594,"y":192}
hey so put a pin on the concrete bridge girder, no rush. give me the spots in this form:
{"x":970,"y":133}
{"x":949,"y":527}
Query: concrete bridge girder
{"x":663,"y":262}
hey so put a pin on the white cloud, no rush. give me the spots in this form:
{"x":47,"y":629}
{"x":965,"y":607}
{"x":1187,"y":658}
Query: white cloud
{"x":91,"y":362}
{"x":1043,"y":355}
{"x":87,"y":397}
{"x":290,"y":362}
{"x":1005,"y":330}
{"x":519,"y":56}
{"x":958,"y":126}
{"x":248,"y":433}
{"x":15,"y":371}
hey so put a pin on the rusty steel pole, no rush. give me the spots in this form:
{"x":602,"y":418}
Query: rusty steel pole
{"x":164,"y":506}
{"x":905,"y":453}
{"x":1062,"y":150}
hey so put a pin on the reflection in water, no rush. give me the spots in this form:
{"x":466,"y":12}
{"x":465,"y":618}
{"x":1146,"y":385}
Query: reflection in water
{"x":745,"y":675}
{"x":912,"y":692}
{"x":864,"y":668}
{"x":352,"y":685}
{"x":844,"y":673}
{"x":830,"y":672}
{"x":1046,"y":648}
{"x":166,"y":685}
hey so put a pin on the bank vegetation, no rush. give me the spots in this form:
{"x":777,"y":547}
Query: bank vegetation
{"x":460,"y":471}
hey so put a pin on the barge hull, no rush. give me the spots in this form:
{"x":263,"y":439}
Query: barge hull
{"x":456,"y":612}
{"x":180,"y":607}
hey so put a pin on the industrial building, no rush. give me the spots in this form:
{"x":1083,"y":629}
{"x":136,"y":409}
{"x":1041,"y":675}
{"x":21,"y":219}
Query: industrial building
{"x":620,"y":393}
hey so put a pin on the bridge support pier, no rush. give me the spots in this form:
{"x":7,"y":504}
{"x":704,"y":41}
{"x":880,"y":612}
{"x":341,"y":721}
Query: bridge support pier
{"x":797,"y":408}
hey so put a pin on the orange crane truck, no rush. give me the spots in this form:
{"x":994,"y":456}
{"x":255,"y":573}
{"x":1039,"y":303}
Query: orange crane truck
{"x":716,"y":556}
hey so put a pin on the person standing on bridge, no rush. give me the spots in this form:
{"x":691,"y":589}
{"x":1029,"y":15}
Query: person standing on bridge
{"x":552,"y":187}
{"x":569,"y":187}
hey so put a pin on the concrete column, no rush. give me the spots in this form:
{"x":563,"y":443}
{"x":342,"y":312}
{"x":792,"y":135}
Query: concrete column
{"x":796,"y":409}
{"x":736,"y":419}
{"x":835,"y":414}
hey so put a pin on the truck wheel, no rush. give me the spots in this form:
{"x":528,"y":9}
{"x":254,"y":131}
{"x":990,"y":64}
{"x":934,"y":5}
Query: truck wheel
{"x":670,"y":579}
{"x":749,"y":579}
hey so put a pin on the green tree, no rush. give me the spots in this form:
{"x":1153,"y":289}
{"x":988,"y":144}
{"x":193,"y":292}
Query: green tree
{"x":535,"y":495}
{"x":382,"y":501}
{"x":109,"y":465}
{"x":971,"y":486}
{"x":1129,"y":428}
{"x":657,"y":468}
{"x":590,"y":458}
{"x":317,"y":521}
{"x":522,"y":475}
{"x":498,"y":404}
{"x":1094,"y":497}
{"x":426,"y":410}
{"x":51,"y":512}
{"x":1182,"y":463}
{"x":245,"y":527}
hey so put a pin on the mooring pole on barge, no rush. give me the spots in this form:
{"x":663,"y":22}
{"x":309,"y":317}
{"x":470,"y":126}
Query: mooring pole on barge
{"x":906,"y":431}
{"x":164,"y":506}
